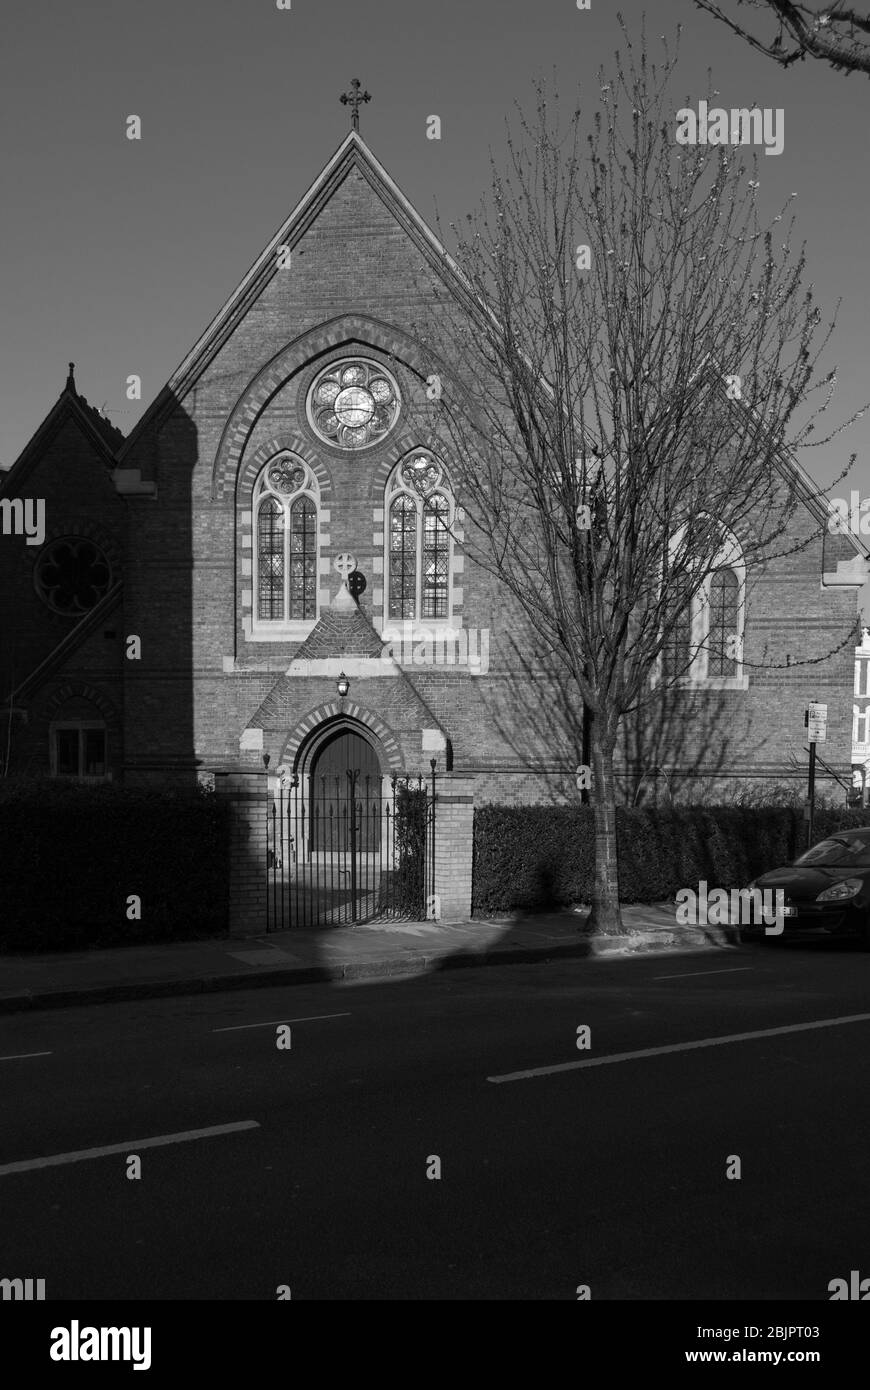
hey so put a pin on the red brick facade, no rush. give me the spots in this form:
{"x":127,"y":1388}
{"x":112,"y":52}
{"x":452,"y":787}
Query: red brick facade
{"x":172,"y":510}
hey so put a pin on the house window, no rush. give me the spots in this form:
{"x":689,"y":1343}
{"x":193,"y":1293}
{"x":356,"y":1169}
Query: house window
{"x":861,"y":724}
{"x":706,"y":646}
{"x":270,"y":550}
{"x":677,"y":648}
{"x":303,"y":558}
{"x":436,"y":555}
{"x":419,"y":516}
{"x":78,"y":750}
{"x":403,"y":557}
{"x":285,"y":504}
{"x":723,"y":624}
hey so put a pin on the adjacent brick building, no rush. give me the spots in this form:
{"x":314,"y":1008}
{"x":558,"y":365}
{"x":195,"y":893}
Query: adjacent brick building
{"x":202,"y":585}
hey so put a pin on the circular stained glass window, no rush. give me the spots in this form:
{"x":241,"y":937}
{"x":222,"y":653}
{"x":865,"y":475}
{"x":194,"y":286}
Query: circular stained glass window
{"x":72,"y":576}
{"x":353,"y":403}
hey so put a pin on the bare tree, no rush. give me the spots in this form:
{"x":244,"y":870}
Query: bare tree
{"x":626,"y":356}
{"x":836,"y":33}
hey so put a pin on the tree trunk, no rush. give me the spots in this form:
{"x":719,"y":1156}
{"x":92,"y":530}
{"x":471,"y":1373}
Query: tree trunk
{"x":605,"y":918}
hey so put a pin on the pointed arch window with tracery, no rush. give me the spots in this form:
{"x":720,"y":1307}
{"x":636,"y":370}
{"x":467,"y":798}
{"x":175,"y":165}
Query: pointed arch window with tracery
{"x":704,"y":646}
{"x":286,"y":505}
{"x":420,"y":513}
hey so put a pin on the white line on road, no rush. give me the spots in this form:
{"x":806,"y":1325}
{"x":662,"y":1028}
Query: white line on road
{"x":679,"y":1047}
{"x":278,"y":1023}
{"x":687,"y":975}
{"x":131,"y":1146}
{"x":17,"y":1056}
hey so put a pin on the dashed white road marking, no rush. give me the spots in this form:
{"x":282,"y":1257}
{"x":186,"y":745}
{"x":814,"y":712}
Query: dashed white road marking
{"x":18,"y":1056}
{"x":131,"y":1146}
{"x":278,"y":1023}
{"x":729,"y":970}
{"x":679,"y":1047}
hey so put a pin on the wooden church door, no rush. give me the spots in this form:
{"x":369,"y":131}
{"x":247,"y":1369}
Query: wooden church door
{"x":345,"y":810}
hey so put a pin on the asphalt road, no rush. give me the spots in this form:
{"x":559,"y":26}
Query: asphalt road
{"x":611,"y":1175}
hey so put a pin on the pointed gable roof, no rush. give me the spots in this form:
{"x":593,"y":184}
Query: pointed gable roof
{"x":102,"y":434}
{"x":352,"y":154}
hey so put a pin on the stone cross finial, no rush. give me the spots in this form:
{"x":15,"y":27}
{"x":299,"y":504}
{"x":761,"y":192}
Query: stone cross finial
{"x":354,"y":100}
{"x":343,"y":601}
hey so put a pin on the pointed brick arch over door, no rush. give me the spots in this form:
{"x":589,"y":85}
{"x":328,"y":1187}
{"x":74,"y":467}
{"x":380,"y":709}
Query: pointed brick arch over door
{"x":326,"y":719}
{"x":354,"y":331}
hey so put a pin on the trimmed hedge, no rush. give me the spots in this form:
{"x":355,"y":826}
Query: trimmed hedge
{"x":543,"y":857}
{"x":71,"y":855}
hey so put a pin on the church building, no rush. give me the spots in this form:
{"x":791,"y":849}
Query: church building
{"x":264,"y":587}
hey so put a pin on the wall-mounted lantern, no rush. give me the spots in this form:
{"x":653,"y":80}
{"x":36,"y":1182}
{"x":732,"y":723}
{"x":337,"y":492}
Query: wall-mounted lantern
{"x":343,"y":684}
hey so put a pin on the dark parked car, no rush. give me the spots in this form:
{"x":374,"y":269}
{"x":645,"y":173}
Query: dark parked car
{"x":827,"y":888}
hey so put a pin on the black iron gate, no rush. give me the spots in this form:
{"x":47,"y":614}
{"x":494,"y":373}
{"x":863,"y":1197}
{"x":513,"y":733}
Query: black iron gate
{"x":340,"y":851}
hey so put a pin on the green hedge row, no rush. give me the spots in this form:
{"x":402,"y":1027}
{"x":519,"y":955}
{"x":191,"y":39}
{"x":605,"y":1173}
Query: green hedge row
{"x":71,"y":855}
{"x":543,"y":856}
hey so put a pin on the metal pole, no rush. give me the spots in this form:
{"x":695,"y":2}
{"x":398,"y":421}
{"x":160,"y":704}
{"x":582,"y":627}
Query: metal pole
{"x":429,"y":888}
{"x":811,"y":793}
{"x":270,"y":823}
{"x":352,"y":777}
{"x":270,"y":887}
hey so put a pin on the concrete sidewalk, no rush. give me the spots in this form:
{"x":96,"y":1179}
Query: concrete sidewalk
{"x":297,"y":957}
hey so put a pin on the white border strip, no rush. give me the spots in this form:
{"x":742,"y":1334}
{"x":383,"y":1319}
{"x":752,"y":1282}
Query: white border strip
{"x":678,"y":1047}
{"x":690,"y":974}
{"x":277,"y":1023}
{"x":131,"y":1146}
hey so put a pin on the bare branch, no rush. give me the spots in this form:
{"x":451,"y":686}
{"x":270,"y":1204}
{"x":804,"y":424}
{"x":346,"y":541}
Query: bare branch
{"x":626,"y":368}
{"x":837,"y":34}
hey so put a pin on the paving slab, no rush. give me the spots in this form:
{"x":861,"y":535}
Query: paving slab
{"x":365,"y":951}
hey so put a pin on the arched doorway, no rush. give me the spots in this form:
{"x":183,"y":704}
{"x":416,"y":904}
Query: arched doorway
{"x":345,"y":793}
{"x":348,"y":839}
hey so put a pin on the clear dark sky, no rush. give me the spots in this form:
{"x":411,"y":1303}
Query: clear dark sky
{"x":116,"y":253}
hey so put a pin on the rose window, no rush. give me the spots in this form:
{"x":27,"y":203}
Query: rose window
{"x":72,"y":576}
{"x":352,"y":404}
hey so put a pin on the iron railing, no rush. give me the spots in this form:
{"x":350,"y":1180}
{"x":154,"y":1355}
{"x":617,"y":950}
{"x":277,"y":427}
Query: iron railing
{"x":343,"y":851}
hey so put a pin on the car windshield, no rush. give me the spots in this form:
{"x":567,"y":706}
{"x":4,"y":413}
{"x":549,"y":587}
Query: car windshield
{"x":839,"y":849}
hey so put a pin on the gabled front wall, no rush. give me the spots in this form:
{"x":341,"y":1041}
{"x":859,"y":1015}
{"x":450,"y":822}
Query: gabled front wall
{"x":355,"y":285}
{"x":191,"y":549}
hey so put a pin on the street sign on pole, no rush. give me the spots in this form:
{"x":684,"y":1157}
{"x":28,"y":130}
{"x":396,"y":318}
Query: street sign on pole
{"x":817,"y":722}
